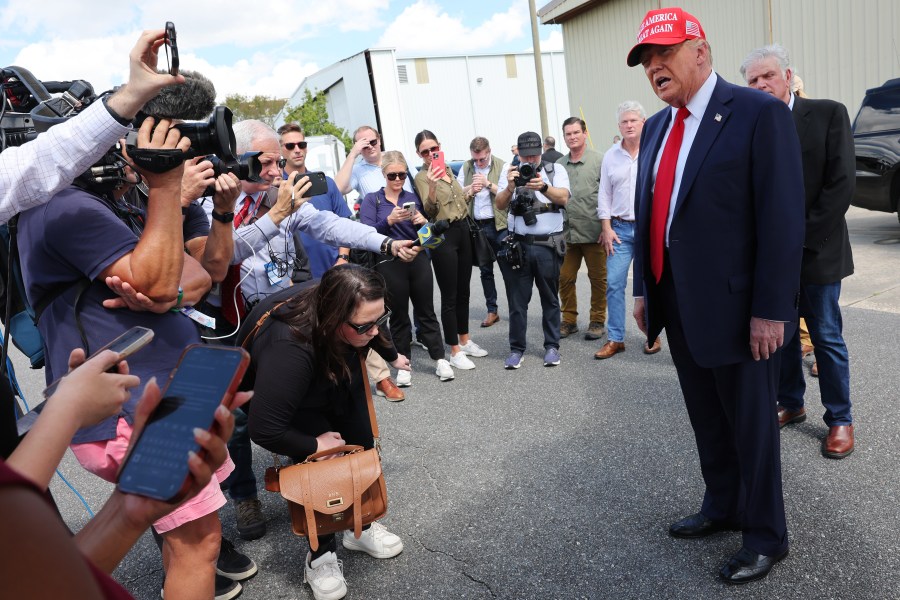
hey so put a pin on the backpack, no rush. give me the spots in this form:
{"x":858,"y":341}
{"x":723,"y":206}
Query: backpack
{"x":19,"y":317}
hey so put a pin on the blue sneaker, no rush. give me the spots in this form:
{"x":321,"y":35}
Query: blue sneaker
{"x":514,"y":361}
{"x":551,"y":357}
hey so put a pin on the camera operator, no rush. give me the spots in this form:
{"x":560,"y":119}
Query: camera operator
{"x":32,"y":173}
{"x":535,"y":193}
{"x":68,"y":248}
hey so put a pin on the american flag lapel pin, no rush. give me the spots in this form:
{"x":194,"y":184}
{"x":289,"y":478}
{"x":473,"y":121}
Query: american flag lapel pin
{"x":718,"y":117}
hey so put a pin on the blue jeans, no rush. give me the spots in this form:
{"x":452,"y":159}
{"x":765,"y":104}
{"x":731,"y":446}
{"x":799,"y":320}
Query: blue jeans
{"x":241,"y":484}
{"x":494,"y":237}
{"x":617,"y":265}
{"x":819,"y":306}
{"x":540,"y":268}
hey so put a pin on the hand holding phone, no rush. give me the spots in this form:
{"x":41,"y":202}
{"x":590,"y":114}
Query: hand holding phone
{"x":410,"y":207}
{"x":156,"y":465}
{"x":171,"y":45}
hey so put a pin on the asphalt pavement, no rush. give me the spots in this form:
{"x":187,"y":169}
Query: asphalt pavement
{"x":561,"y":482}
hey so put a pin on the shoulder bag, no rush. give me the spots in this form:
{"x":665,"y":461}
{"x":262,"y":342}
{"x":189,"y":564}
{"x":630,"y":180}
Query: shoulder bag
{"x":344,"y":492}
{"x":482,"y":252}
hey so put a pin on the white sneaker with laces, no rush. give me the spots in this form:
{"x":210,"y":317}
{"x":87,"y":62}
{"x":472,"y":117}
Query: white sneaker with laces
{"x":443,"y":370}
{"x":375,"y":541}
{"x":461,"y":361}
{"x":473,"y":349}
{"x":325,"y":576}
{"x":404,"y":378}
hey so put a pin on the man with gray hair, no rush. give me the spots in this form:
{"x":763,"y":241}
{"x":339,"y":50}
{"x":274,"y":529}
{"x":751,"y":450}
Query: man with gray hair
{"x":615,"y":207}
{"x":829,"y":177}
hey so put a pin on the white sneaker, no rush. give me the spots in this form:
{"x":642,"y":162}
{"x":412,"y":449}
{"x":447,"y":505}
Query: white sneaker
{"x":443,"y":370}
{"x":325,"y":577}
{"x":461,"y":361}
{"x":375,"y":541}
{"x":473,"y":349}
{"x":404,"y":378}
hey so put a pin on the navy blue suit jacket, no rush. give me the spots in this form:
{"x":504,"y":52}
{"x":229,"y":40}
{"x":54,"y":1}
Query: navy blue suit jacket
{"x":736,"y":237}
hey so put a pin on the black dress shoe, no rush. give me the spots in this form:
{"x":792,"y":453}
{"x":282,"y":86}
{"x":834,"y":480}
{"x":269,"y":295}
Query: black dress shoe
{"x":698,"y":526}
{"x":747,"y":566}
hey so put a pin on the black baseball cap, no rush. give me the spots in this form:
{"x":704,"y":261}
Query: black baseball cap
{"x":530,"y":144}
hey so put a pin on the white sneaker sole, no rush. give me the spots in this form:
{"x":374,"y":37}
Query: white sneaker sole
{"x":351,"y":543}
{"x":336,"y":594}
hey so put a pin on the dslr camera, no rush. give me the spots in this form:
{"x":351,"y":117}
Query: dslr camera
{"x":522,"y":205}
{"x":527,"y":172}
{"x":512,"y":252}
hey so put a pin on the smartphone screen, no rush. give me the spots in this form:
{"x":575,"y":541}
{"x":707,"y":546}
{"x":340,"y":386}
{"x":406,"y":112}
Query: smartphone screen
{"x":156,"y":465}
{"x":437,"y":162}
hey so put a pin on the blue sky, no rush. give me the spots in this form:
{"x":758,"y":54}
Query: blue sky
{"x":265,"y":53}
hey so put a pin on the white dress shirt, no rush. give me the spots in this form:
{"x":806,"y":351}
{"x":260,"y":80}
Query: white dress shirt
{"x":697,"y":107}
{"x":548,"y":222}
{"x":483,"y":209}
{"x":618,"y":177}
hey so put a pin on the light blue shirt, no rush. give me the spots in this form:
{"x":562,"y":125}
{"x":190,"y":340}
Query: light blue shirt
{"x":367,"y":178}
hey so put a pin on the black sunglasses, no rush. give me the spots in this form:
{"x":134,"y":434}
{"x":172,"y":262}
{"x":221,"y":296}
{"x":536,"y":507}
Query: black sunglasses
{"x":365,"y":327}
{"x":290,"y":145}
{"x":395,"y":176}
{"x":428,"y":151}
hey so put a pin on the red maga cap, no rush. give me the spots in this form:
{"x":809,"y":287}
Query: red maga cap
{"x":665,"y":27}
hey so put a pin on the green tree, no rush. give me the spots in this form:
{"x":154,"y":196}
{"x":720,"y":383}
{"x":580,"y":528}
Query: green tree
{"x":312,"y":116}
{"x":263,"y":108}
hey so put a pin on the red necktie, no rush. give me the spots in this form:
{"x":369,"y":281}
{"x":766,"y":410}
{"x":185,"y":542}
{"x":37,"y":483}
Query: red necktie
{"x":231,"y":285}
{"x":662,"y":192}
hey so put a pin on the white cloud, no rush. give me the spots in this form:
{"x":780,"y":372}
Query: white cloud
{"x":553,"y":43}
{"x":425,"y":27}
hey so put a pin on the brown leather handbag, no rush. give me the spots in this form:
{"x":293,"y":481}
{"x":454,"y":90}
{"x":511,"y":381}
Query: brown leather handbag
{"x":343,"y":492}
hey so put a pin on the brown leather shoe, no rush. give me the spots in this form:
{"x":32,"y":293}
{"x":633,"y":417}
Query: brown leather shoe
{"x":786,"y":416}
{"x":389,"y":390}
{"x":609,"y":349}
{"x":839,"y":442}
{"x":656,"y":347}
{"x":806,"y":350}
{"x":490,"y":319}
{"x":814,"y":371}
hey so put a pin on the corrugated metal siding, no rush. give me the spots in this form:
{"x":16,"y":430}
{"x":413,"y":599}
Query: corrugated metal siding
{"x":839,"y":47}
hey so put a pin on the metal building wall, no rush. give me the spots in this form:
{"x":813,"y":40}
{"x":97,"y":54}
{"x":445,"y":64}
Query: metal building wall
{"x":839,"y":47}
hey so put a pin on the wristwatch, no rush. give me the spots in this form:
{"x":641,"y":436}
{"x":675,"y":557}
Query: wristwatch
{"x":226,"y":218}
{"x":386,"y":246}
{"x":344,"y":257}
{"x":545,"y":188}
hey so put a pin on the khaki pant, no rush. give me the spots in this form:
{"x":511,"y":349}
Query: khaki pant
{"x":594,"y":257}
{"x":376,"y":367}
{"x":805,"y":340}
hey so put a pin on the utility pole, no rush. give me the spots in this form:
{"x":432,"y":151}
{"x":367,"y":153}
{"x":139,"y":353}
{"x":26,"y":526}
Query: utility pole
{"x":538,"y":69}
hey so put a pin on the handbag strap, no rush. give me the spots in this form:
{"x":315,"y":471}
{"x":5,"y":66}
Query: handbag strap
{"x":369,"y":403}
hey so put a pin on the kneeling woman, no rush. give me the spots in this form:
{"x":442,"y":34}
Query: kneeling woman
{"x":309,"y":391}
{"x":406,"y":281}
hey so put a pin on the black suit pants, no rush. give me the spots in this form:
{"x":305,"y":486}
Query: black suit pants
{"x":732,"y":409}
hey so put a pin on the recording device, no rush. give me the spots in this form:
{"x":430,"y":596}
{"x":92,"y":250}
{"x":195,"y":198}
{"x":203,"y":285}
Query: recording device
{"x":437,"y":162}
{"x":432,"y":235}
{"x":317,"y":179}
{"x":214,"y":136}
{"x":156,"y":464}
{"x":523,"y":205}
{"x":125,"y":345}
{"x":247,"y":167}
{"x":512,"y":252}
{"x":527,"y":172}
{"x":171,"y":48}
{"x":410,"y":207}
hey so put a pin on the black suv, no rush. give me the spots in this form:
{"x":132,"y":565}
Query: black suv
{"x":876,"y":132}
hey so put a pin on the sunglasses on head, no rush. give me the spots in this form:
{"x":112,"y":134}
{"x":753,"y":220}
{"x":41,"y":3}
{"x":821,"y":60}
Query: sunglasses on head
{"x":428,"y":151}
{"x":396,"y":176}
{"x":290,"y":145}
{"x":366,"y":327}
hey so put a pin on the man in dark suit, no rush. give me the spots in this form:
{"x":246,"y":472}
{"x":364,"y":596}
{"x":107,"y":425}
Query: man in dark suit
{"x":829,"y":177}
{"x":718,"y":244}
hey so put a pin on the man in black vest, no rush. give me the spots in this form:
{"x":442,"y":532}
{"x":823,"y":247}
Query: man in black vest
{"x":479,"y":177}
{"x":829,"y":177}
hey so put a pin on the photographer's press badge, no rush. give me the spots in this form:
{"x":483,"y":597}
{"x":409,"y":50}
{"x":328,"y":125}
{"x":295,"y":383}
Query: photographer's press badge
{"x":195,"y":315}
{"x":272,"y":272}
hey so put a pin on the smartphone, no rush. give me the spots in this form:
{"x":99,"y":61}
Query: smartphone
{"x":126,"y":344}
{"x":171,"y":48}
{"x":437,"y":162}
{"x":319,"y":185}
{"x":411,"y":207}
{"x":205,"y":377}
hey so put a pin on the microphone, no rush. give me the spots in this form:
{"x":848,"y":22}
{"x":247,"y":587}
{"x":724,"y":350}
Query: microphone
{"x":432,"y":235}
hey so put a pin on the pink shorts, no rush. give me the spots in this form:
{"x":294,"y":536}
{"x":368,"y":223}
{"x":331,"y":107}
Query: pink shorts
{"x":104,"y":459}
